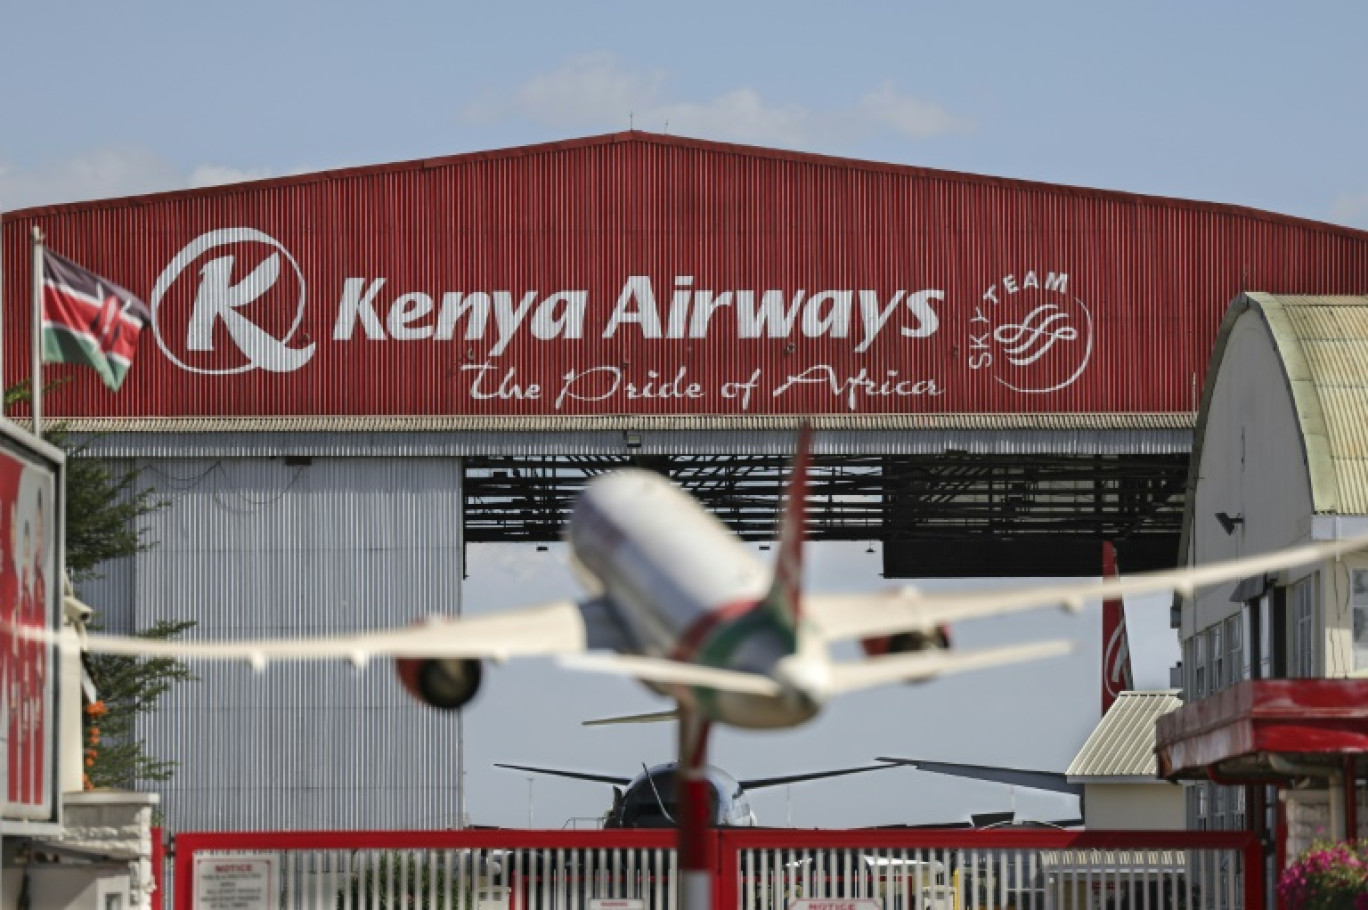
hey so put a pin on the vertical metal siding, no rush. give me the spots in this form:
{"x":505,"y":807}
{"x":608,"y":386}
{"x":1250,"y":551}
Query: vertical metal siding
{"x":253,"y":547}
{"x":1156,"y":274}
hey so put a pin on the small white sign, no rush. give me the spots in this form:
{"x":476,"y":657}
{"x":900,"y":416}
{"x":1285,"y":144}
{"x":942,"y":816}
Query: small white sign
{"x":835,"y":903}
{"x":246,"y":882}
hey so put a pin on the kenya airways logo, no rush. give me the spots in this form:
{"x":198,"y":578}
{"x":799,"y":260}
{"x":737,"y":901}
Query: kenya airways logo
{"x":242,"y":306}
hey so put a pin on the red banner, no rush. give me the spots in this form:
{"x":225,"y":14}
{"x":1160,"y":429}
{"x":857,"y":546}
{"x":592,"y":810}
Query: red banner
{"x":1117,"y":676}
{"x":29,"y":591}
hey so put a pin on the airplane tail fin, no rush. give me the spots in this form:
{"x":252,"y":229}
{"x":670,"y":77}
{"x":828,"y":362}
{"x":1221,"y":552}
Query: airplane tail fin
{"x":1116,"y":661}
{"x":784,"y":601}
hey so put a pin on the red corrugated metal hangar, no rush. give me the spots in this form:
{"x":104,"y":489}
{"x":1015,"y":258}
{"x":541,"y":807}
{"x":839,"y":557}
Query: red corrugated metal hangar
{"x":1046,"y":343}
{"x":352,"y":374}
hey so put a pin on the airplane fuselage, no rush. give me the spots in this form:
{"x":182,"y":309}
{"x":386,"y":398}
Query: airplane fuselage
{"x":688,"y":589}
{"x":651,"y":801}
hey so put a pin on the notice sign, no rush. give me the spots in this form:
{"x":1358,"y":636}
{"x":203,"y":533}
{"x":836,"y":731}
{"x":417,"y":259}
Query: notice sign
{"x":835,"y":903}
{"x":247,"y":882}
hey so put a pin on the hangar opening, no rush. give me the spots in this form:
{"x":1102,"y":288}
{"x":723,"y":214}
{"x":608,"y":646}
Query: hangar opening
{"x":952,"y":515}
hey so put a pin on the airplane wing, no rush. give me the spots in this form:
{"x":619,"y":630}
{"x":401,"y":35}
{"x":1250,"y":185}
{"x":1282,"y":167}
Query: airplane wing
{"x":570,"y":628}
{"x":844,"y":616}
{"x":1055,"y":781}
{"x":759,"y":783}
{"x":919,"y":666}
{"x":581,"y":775}
{"x":555,"y":627}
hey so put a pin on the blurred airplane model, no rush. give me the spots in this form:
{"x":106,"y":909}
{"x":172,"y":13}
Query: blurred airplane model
{"x":650,"y":799}
{"x":683,"y":605}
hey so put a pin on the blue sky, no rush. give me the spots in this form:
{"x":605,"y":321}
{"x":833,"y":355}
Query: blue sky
{"x":1251,"y":103}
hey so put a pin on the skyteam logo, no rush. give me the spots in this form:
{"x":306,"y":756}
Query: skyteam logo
{"x":242,"y":314}
{"x":1030,"y":333}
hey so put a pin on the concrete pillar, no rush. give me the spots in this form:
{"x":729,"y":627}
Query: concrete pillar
{"x":1308,"y":819}
{"x":1335,"y":791}
{"x":116,"y":824}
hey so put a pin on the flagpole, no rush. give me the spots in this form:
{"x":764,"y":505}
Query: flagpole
{"x":37,"y":341}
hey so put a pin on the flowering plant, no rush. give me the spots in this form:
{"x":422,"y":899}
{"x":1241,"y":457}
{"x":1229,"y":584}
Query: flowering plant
{"x":1329,"y":876}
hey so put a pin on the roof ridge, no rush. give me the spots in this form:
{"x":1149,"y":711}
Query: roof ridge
{"x":664,"y":139}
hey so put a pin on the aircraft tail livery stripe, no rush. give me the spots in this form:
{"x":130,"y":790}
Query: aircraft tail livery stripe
{"x":691,"y":643}
{"x":1116,"y":663}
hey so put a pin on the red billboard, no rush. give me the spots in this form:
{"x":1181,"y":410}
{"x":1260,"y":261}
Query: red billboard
{"x":29,"y":598}
{"x":645,"y":274}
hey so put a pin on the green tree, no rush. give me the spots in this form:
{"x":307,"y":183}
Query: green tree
{"x":104,"y":506}
{"x":128,"y":687}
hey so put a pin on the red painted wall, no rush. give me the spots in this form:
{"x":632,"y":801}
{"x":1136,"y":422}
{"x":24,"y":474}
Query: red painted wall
{"x":645,"y":274}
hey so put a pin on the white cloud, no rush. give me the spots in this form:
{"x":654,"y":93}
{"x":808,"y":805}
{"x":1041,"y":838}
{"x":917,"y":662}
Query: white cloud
{"x":106,"y":173}
{"x":218,"y":174}
{"x":741,"y":115}
{"x":597,"y":92}
{"x":98,"y":174}
{"x":908,"y":115}
{"x":589,"y":88}
{"x":1351,"y":209}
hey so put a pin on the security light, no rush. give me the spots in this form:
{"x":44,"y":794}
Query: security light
{"x":1229,"y":522}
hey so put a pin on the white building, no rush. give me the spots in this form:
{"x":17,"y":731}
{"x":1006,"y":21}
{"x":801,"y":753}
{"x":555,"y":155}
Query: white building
{"x":1118,"y":770}
{"x":1275,"y":668}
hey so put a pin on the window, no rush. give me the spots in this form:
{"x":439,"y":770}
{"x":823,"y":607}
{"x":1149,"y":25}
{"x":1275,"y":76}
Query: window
{"x":1197,"y":806}
{"x":1258,"y":637}
{"x":1189,"y":670}
{"x":1358,"y":610}
{"x":1199,"y":679}
{"x":1217,"y":680}
{"x":1236,"y":668}
{"x":1303,"y":657}
{"x":1190,"y":806}
{"x":1274,"y":632}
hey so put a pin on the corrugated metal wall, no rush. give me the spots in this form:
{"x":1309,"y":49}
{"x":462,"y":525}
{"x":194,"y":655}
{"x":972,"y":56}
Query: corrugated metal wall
{"x":844,"y":246}
{"x":258,"y":547}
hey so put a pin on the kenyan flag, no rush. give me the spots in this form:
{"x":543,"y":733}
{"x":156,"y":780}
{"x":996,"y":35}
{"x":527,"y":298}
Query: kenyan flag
{"x":89,"y":320}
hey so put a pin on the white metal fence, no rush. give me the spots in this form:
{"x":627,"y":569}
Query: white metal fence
{"x":756,"y":870}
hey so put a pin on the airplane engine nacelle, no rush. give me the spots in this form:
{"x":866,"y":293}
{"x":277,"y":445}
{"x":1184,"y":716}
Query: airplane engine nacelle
{"x":447,"y":683}
{"x":904,"y":642}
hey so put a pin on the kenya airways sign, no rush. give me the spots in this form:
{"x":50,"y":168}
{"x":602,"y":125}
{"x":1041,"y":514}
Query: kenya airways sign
{"x":238,"y":301}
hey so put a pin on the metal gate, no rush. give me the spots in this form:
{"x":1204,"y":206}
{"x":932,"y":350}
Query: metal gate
{"x":923,"y":869}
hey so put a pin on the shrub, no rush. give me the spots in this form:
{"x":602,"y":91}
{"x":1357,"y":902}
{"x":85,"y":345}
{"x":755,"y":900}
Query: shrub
{"x":1329,"y":876}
